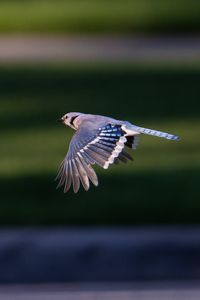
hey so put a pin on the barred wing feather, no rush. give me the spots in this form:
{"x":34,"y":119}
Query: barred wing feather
{"x":102,"y":146}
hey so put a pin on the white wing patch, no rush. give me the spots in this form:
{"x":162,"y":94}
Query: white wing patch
{"x":116,"y":151}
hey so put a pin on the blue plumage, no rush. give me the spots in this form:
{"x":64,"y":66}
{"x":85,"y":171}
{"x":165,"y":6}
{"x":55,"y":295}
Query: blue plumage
{"x":114,"y":131}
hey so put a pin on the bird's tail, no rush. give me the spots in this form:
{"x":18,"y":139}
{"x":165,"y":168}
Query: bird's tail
{"x":157,"y":133}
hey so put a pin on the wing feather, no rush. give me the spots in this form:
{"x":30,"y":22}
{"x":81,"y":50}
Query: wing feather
{"x":99,"y":150}
{"x":89,"y":170}
{"x":88,"y":159}
{"x":74,"y":175}
{"x":68,"y":178}
{"x":102,"y":146}
{"x":62,"y":174}
{"x":98,"y":159}
{"x":82,"y":174}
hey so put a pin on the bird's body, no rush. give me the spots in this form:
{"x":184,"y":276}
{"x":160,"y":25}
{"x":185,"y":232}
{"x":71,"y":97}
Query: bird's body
{"x":98,"y":140}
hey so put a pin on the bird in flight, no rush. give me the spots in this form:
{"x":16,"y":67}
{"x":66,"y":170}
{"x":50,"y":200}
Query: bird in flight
{"x":98,"y":140}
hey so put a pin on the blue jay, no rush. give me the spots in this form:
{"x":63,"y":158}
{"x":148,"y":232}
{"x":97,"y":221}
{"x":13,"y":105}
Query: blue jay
{"x":98,"y":140}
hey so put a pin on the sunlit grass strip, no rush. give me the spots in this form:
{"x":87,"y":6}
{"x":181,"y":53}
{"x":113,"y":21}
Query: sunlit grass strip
{"x":98,"y":16}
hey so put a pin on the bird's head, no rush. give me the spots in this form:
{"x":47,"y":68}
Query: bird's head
{"x":70,"y":119}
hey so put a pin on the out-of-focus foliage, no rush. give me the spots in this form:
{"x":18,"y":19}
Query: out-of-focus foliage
{"x":92,"y":16}
{"x":160,"y":186}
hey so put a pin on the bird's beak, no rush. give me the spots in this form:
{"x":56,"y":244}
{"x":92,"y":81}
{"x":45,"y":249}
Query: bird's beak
{"x":60,"y":120}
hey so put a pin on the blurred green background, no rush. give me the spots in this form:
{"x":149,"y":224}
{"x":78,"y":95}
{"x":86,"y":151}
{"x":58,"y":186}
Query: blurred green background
{"x":161,"y":185}
{"x":93,"y":16}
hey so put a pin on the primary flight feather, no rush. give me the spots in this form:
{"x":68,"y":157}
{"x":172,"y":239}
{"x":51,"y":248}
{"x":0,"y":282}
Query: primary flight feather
{"x":98,"y":140}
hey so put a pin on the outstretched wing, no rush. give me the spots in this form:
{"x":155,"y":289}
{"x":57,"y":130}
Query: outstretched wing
{"x":102,"y":146}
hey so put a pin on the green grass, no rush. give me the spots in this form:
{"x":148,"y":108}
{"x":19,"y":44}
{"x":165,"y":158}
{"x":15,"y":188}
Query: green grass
{"x":93,"y":16}
{"x":160,"y":186}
